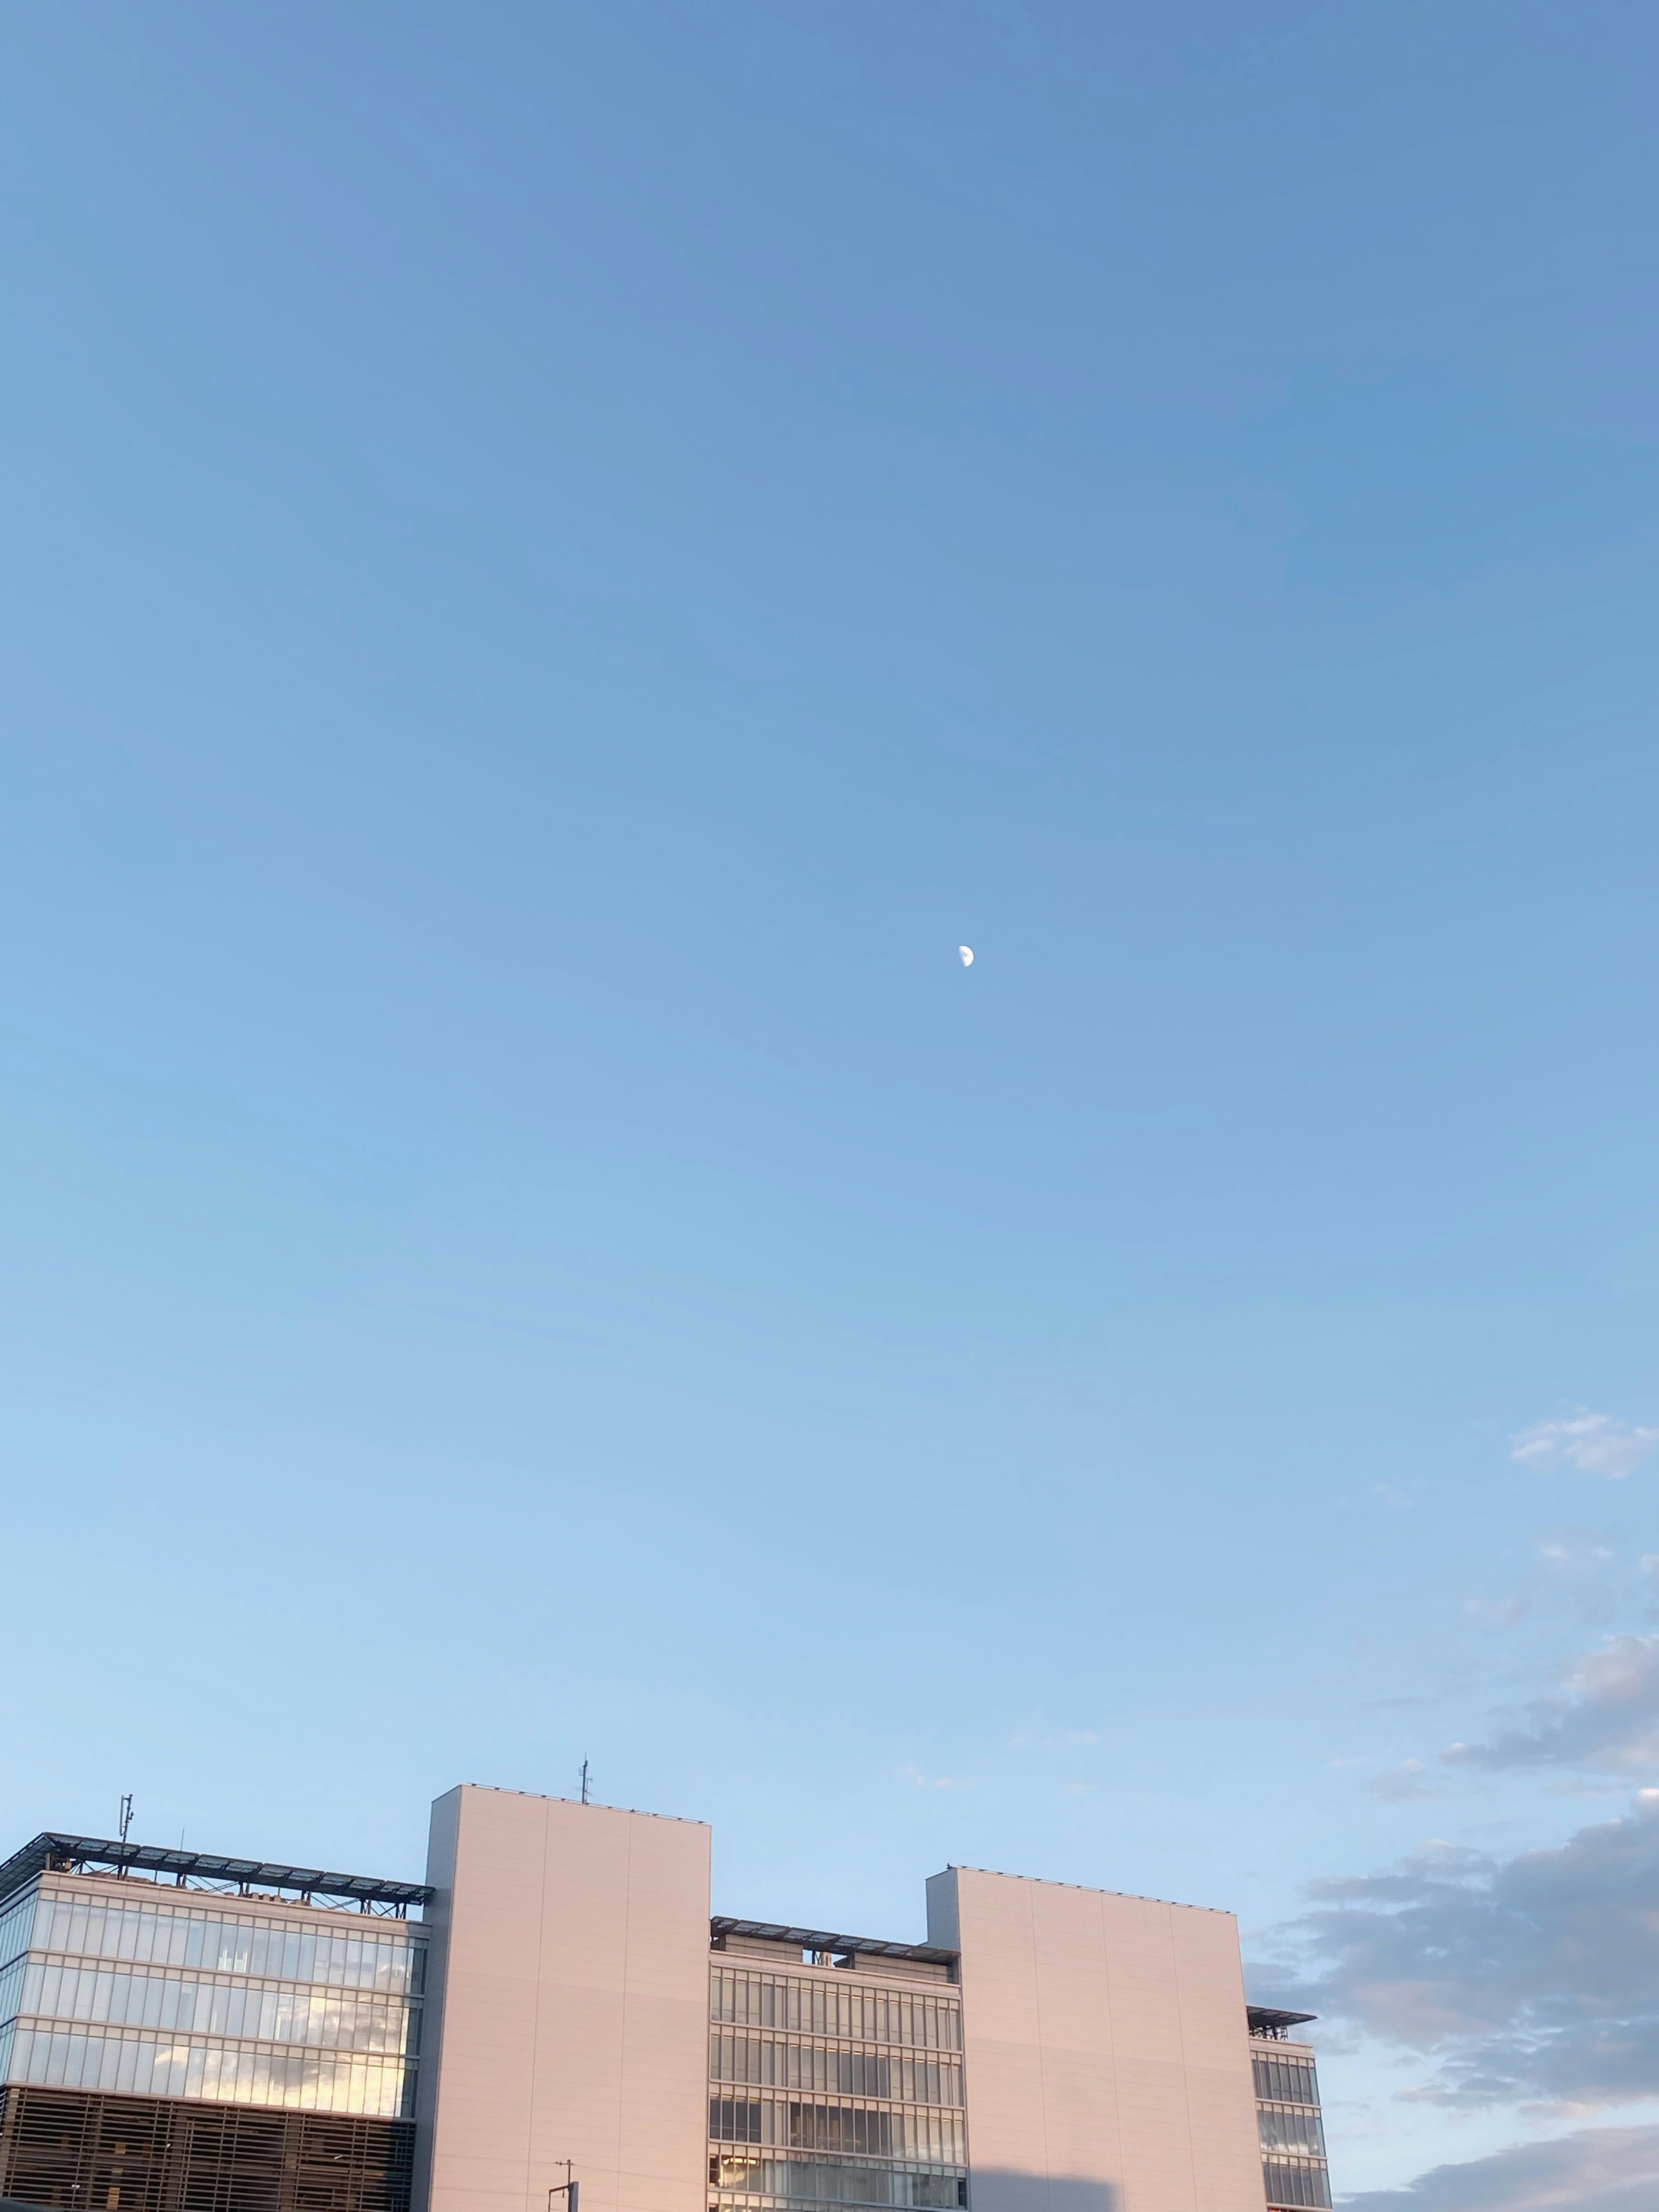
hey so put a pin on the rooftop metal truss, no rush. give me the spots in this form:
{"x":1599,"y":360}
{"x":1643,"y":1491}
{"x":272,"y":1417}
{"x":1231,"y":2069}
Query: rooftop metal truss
{"x":1276,"y":2026}
{"x":55,"y":1854}
{"x":818,"y":1939}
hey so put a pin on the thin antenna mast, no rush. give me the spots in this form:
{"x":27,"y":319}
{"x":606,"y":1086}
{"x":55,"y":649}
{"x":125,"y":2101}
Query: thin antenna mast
{"x":569,"y":2187}
{"x":584,"y":1800}
{"x":126,"y":1822}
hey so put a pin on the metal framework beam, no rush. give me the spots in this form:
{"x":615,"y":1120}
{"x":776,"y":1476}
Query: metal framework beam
{"x":818,"y":1939}
{"x":55,"y":1853}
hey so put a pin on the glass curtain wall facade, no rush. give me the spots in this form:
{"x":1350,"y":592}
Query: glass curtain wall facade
{"x":1293,"y":2164}
{"x":829,"y":2089}
{"x":126,"y":1987}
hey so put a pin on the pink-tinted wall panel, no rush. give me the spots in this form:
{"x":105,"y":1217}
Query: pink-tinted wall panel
{"x":1107,"y":2055}
{"x":572,"y":1982}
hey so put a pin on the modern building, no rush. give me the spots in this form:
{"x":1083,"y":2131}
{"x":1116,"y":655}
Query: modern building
{"x":1288,"y":2117}
{"x":180,"y":2033}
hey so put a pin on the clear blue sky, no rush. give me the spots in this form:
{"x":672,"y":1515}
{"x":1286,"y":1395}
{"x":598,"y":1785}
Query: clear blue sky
{"x":558,"y":560}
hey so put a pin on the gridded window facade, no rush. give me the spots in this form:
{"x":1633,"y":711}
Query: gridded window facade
{"x":1292,"y":2128}
{"x":826,"y":2092}
{"x":1283,"y":2080}
{"x":932,"y":2021}
{"x":872,"y":2130}
{"x":1294,"y":2171}
{"x":777,"y":2062}
{"x":138,"y":1996}
{"x":1297,"y":2182}
{"x":139,"y":2155}
{"x":206,"y":2004}
{"x":768,"y":2184}
{"x":154,"y":1932}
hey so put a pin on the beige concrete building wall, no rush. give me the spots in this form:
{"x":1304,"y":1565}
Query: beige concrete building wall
{"x":570,"y":1985}
{"x":1106,"y":2053}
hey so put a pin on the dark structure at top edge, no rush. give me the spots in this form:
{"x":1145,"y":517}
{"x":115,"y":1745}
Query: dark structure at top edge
{"x":819,"y":1939}
{"x":55,"y":1853}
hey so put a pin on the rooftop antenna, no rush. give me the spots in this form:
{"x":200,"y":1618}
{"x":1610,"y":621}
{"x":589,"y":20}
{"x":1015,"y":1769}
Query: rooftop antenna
{"x":569,"y":2187}
{"x":584,"y":1800}
{"x":126,"y":1820}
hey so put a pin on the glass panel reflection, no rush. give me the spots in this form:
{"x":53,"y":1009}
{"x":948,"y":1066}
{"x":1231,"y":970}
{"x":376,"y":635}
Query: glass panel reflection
{"x":868,"y":2016}
{"x":1291,"y":2185}
{"x":146,"y":1997}
{"x":878,"y":2131}
{"x":819,"y":2181}
{"x":896,"y":2134}
{"x":146,"y":2066}
{"x":778,"y":2063}
{"x":1291,"y":2127}
{"x":268,"y":2012}
{"x":227,"y":1943}
{"x":1285,"y":2081}
{"x":14,"y":1924}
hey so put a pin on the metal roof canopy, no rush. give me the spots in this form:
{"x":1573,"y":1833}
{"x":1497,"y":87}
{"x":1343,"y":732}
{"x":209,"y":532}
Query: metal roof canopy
{"x":1265,"y":2021}
{"x":52,"y":1853}
{"x":818,"y":1939}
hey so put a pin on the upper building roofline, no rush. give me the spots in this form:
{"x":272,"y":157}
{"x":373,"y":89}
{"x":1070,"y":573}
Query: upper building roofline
{"x":1131,"y":1896}
{"x":1266,"y":2021}
{"x":587,"y":1804}
{"x":819,"y":1939}
{"x":52,"y":1853}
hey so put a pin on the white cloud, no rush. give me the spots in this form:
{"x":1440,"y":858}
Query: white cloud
{"x":935,"y":1781}
{"x":1589,"y":1444}
{"x":1597,"y":2170}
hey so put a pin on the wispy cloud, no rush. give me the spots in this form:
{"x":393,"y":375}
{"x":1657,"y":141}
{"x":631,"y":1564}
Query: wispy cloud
{"x":1589,"y":1444}
{"x":1576,"y":1551}
{"x":1403,"y":1784}
{"x":1608,"y":1718}
{"x":1497,"y":1613}
{"x":913,"y":1774}
{"x":1025,"y":1740}
{"x":1597,"y":2170}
